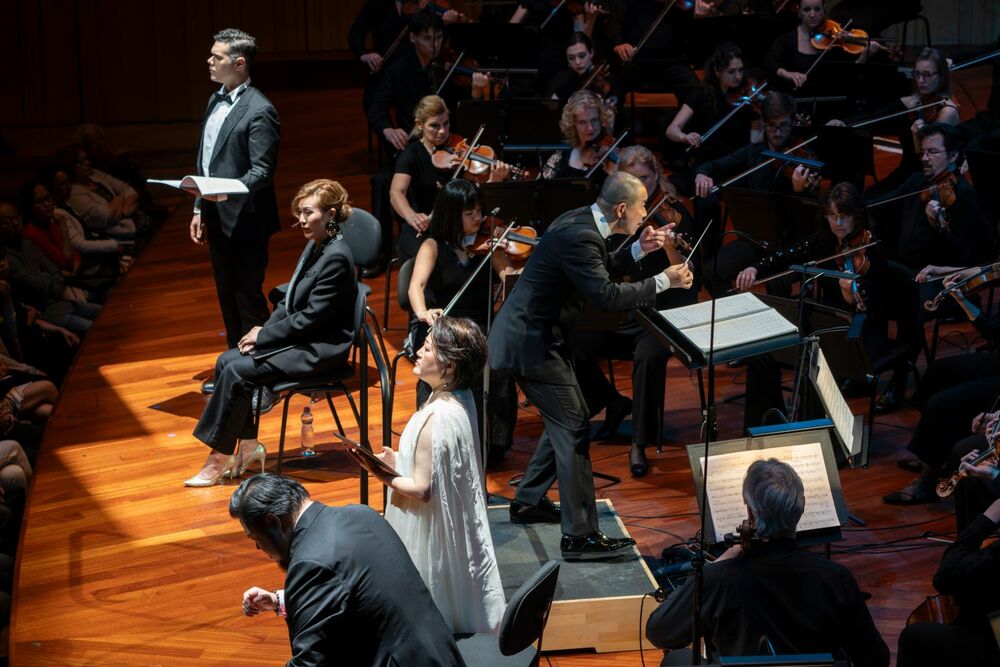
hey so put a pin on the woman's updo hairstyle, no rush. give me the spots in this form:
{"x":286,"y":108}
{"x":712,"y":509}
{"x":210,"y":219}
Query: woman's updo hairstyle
{"x":460,"y":346}
{"x":331,"y":195}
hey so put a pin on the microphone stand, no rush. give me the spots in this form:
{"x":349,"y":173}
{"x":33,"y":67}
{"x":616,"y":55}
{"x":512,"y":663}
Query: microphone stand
{"x":487,"y":259}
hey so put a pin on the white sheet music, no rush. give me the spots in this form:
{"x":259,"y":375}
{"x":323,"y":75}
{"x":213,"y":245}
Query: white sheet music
{"x":746,"y":329}
{"x":726,"y":308}
{"x":206,"y":185}
{"x":725,"y":486}
{"x":838,"y":409}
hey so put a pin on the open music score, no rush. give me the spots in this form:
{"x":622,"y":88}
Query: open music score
{"x":725,"y":486}
{"x":739,"y":319}
{"x":849,"y":426}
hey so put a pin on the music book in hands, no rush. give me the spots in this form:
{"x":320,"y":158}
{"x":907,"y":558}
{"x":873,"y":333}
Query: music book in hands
{"x":373,"y":461}
{"x":206,"y":186}
{"x":739,"y":319}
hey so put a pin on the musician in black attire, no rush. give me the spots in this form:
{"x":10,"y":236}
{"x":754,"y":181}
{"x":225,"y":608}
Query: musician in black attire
{"x":568,"y":267}
{"x":661,"y":59}
{"x":774,"y":598}
{"x":970,"y":572}
{"x":630,"y":340}
{"x":953,"y":393}
{"x":384,"y":20}
{"x":778,"y":114}
{"x":553,"y":37}
{"x":446,"y":259}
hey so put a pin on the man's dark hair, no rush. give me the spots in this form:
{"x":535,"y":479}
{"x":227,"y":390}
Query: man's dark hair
{"x":948,"y":134}
{"x":777,"y":105}
{"x":239,"y":43}
{"x":266,"y":493}
{"x":425,"y":20}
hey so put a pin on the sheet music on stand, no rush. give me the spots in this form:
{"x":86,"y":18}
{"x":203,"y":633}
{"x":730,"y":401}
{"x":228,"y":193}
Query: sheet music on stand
{"x":848,"y":426}
{"x":809,"y":452}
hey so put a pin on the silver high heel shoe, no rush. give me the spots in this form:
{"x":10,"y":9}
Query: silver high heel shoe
{"x":259,"y":454}
{"x":225,"y":472}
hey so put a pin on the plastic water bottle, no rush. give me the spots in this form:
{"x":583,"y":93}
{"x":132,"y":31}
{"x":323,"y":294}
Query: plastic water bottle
{"x":308,"y":434}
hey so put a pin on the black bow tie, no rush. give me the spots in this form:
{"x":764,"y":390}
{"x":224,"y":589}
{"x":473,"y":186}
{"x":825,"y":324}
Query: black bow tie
{"x":223,"y":98}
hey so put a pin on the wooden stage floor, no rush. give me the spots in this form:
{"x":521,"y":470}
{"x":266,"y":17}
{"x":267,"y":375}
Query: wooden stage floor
{"x":122,"y":565}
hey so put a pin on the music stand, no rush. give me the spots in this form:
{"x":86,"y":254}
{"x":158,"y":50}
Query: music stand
{"x":775,"y":219}
{"x":511,"y":120}
{"x":516,"y":199}
{"x":848,"y":154}
{"x":496,"y":44}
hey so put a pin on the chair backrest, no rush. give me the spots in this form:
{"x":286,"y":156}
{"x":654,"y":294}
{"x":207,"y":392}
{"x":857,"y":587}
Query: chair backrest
{"x":528,"y":610}
{"x":403,"y":284}
{"x":360,"y":304}
{"x":363,"y":234}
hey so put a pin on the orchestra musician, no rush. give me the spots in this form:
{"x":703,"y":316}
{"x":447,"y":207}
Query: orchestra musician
{"x":384,"y":20}
{"x":530,"y":337}
{"x":585,"y":124}
{"x":417,"y":181}
{"x":778,"y":114}
{"x":580,"y":68}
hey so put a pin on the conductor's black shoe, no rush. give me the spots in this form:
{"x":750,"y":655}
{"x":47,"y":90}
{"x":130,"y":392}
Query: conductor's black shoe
{"x":545,"y":511}
{"x":373,"y":270}
{"x":619,"y":408}
{"x":208,"y":386}
{"x":595,"y":546}
{"x":637,"y":461}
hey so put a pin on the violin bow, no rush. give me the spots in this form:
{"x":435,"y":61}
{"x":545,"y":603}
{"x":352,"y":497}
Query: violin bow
{"x":451,"y":70}
{"x":486,"y":259}
{"x":849,"y":251}
{"x":652,"y":28}
{"x":468,"y":152}
{"x":892,"y":199}
{"x":594,"y":74}
{"x":746,"y":100}
{"x":551,"y":15}
{"x":607,"y":154}
{"x":395,"y":44}
{"x":835,"y":39}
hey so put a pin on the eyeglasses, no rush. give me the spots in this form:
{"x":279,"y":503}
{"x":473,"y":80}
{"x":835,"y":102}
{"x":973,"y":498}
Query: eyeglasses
{"x":923,"y":76}
{"x":933,"y":152}
{"x":779,"y":127}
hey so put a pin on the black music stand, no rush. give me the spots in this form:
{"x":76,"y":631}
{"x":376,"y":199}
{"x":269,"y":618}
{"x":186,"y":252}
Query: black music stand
{"x":496,"y":44}
{"x":539,"y":202}
{"x":754,"y":33}
{"x":517,"y":120}
{"x":773,"y":219}
{"x":848,"y":154}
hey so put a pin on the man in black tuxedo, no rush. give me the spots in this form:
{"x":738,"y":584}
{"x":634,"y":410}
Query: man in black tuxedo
{"x":352,"y":595}
{"x":239,"y":139}
{"x":530,"y":338}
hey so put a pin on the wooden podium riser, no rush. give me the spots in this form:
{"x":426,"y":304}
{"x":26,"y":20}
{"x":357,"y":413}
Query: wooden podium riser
{"x":603,"y":624}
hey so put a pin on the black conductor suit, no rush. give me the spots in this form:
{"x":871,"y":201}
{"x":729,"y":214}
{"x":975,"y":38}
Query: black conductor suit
{"x":530,"y":338}
{"x":238,"y":228}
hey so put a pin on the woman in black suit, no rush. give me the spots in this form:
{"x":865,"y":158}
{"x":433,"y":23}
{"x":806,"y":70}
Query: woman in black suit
{"x":309,"y":334}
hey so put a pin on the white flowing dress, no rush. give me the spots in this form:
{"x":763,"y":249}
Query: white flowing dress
{"x":448,"y":537}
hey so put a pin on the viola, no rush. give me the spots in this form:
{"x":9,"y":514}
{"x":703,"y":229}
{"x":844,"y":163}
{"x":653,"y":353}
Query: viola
{"x":476,"y":167}
{"x":987,"y":276}
{"x":856,"y":262}
{"x":942,"y":190}
{"x":853,"y":41}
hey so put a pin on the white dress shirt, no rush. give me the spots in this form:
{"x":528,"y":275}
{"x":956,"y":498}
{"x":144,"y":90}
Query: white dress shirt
{"x":214,"y":124}
{"x":604,"y":229}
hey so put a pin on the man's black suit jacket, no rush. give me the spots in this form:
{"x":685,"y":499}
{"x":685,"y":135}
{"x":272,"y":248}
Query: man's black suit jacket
{"x":568,"y":267}
{"x":317,"y":314}
{"x":353,"y":596}
{"x":246,"y":149}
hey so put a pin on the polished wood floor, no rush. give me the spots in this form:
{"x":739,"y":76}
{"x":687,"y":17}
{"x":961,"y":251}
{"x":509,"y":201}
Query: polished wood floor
{"x":122,"y":565}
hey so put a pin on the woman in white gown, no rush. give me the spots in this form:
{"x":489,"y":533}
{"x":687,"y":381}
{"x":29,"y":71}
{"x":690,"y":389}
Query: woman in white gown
{"x":437,"y":504}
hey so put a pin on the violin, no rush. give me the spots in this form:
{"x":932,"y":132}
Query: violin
{"x":856,"y":262}
{"x":476,"y":167}
{"x":599,"y":80}
{"x":746,"y":93}
{"x":990,"y":454}
{"x":745,"y":533}
{"x":853,"y":41}
{"x":439,"y":7}
{"x":459,"y":70}
{"x":601,"y":151}
{"x":577,"y":7}
{"x":942,"y":190}
{"x":929,"y":114}
{"x":787,"y":168}
{"x":517,"y":244}
{"x":988,"y":275}
{"x":940,"y":609}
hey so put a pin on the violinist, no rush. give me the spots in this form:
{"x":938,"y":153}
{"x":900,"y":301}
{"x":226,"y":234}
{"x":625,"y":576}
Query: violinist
{"x":774,"y":597}
{"x":580,"y":68}
{"x":416,"y":181}
{"x":845,"y":228}
{"x":649,"y":357}
{"x":585,"y":124}
{"x":969,"y":571}
{"x":953,"y":392}
{"x":939,"y":223}
{"x":792,"y":55}
{"x":384,"y":21}
{"x":777,"y":114}
{"x":566,"y":20}
{"x":661,"y":60}
{"x":722,"y":88}
{"x":443,"y":264}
